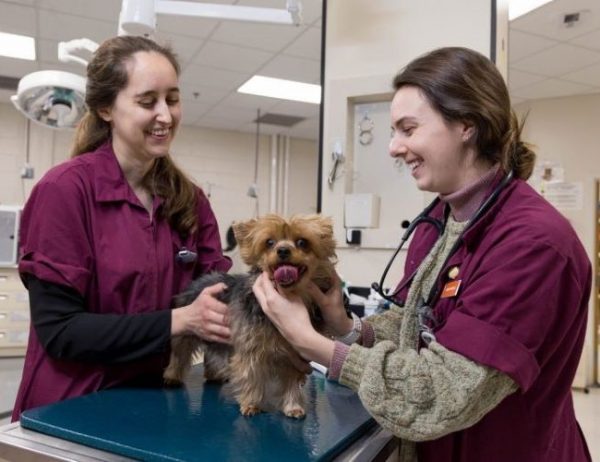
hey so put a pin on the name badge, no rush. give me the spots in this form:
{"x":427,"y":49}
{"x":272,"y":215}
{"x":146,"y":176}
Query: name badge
{"x":451,"y":289}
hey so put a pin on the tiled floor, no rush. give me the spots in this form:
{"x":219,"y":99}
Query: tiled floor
{"x":587,"y":406}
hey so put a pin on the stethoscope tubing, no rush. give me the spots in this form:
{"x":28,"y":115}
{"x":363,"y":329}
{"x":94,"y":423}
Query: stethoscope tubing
{"x":424,"y":217}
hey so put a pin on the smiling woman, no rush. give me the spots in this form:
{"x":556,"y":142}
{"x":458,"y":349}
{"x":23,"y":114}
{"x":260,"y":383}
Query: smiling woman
{"x":100,"y":232}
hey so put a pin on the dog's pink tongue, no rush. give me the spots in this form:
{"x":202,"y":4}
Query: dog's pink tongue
{"x":286,"y":274}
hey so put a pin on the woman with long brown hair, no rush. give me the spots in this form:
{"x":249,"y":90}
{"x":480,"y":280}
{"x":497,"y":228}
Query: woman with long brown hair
{"x":108,"y":237}
{"x":475,"y":359}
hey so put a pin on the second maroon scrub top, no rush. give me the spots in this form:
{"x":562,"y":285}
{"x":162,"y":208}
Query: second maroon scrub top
{"x":522,"y":308}
{"x":84,"y":228}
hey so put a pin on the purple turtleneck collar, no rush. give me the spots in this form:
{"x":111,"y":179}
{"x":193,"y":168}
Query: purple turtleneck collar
{"x":465,"y":202}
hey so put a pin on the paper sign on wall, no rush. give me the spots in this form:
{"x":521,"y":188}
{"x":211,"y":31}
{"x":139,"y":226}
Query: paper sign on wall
{"x":564,"y":195}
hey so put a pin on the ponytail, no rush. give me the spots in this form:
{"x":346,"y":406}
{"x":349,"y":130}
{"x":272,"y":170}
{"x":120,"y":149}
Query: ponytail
{"x":517,"y":155}
{"x":91,"y":132}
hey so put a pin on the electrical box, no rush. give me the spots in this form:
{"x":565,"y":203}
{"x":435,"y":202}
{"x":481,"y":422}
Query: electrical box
{"x":361,"y":210}
{"x":9,"y":233}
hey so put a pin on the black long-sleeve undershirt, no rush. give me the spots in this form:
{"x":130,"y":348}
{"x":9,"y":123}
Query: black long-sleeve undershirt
{"x":67,"y":331}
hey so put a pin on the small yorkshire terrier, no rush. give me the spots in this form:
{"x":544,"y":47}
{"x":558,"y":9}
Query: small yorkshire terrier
{"x":293,"y":252}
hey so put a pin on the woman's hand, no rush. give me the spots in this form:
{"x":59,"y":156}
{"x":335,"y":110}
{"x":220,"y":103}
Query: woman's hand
{"x":206,"y":317}
{"x":291,"y":318}
{"x":331,"y":304}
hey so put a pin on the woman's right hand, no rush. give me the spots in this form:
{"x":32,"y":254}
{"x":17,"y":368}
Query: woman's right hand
{"x":331,"y":304}
{"x":206,"y":317}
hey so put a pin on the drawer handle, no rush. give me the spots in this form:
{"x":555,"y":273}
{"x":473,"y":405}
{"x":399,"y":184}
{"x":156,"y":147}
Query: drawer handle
{"x":3,"y":296}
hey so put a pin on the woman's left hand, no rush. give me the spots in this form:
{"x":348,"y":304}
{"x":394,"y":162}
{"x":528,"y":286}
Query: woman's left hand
{"x":290,"y":316}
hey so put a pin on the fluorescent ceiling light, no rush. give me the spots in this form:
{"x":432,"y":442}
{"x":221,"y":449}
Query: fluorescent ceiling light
{"x":518,"y":8}
{"x":282,"y":89}
{"x":17,"y":46}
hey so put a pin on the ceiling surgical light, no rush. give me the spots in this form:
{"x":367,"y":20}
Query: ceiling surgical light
{"x":56,"y":99}
{"x":51,"y":98}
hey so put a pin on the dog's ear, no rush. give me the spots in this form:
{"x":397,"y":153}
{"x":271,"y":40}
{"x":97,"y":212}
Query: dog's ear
{"x":321,"y":227}
{"x":243,"y":232}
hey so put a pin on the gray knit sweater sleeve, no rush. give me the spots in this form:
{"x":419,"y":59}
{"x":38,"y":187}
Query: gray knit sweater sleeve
{"x":423,"y":395}
{"x":386,"y":326}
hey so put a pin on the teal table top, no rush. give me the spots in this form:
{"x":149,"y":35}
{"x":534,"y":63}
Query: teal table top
{"x":200,"y":422}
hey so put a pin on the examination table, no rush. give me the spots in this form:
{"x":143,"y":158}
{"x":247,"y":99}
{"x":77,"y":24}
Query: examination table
{"x":198,"y":422}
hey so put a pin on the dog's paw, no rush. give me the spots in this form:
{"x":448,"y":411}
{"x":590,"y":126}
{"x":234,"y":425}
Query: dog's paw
{"x":295,"y":412}
{"x":172,"y":382}
{"x":250,"y":409}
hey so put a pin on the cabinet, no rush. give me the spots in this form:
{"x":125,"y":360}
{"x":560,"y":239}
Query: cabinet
{"x":14,"y":313}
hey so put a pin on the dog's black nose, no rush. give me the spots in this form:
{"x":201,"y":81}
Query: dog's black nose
{"x":283,"y":253}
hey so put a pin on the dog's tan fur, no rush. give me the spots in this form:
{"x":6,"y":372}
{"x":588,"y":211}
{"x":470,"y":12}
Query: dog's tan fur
{"x":258,"y":358}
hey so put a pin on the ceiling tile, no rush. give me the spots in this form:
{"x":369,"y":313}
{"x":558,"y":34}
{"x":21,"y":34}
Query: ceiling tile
{"x":591,"y":40}
{"x":521,"y":44}
{"x":224,"y":56}
{"x":311,"y":9}
{"x":589,"y":76}
{"x":192,"y":111}
{"x":268,"y":37}
{"x":48,"y":57}
{"x":287,"y":67}
{"x":557,"y":60}
{"x":12,"y":67}
{"x":518,"y":79}
{"x":60,"y":26}
{"x":201,"y":94}
{"x":552,"y":88}
{"x":184,"y":47}
{"x":242,"y":100}
{"x":548,"y":20}
{"x":307,"y":45}
{"x":185,"y":25}
{"x":106,"y":9}
{"x":211,"y":77}
{"x":17,"y":19}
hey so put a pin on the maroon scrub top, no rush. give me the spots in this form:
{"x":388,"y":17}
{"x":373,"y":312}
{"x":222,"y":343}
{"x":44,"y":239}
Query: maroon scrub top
{"x":522,"y":308}
{"x":83,"y":227}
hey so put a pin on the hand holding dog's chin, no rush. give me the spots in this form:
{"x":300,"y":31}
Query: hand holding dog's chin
{"x":291,"y":318}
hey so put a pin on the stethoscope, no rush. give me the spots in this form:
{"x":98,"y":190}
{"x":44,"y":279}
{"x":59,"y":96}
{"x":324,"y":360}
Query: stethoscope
{"x":424,"y":311}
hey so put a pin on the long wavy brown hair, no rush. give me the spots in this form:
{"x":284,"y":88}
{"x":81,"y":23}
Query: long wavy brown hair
{"x":106,"y":76}
{"x":465,"y":86}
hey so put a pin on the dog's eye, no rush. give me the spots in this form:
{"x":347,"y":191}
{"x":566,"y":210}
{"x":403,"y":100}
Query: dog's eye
{"x":270,"y":243}
{"x":301,"y":243}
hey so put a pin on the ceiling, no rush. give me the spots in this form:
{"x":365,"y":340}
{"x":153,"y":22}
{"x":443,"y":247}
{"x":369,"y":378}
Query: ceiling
{"x":216,"y":56}
{"x":550,"y":59}
{"x":546,"y":58}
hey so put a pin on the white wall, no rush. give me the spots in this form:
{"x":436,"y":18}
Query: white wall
{"x":221,"y":162}
{"x":366,"y":44}
{"x":565,"y":131}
